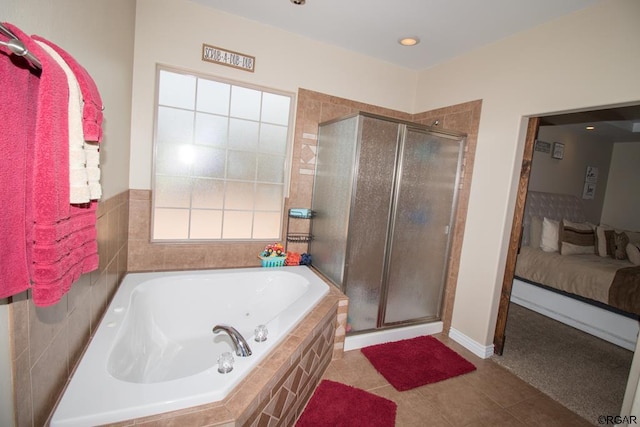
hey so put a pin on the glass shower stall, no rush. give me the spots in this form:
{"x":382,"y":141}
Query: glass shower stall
{"x":384,"y":199}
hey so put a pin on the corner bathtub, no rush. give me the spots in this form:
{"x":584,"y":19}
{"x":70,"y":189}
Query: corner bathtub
{"x":155,"y":351}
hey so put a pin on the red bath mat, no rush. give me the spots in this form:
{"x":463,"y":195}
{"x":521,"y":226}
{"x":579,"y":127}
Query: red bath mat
{"x":336,"y":404}
{"x":415,"y":362}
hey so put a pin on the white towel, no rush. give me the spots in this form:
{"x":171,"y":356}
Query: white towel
{"x":79,"y":188}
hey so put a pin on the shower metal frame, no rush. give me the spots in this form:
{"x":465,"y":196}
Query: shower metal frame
{"x":391,"y":216}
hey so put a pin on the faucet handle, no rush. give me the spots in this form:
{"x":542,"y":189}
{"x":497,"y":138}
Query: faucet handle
{"x":239,"y":343}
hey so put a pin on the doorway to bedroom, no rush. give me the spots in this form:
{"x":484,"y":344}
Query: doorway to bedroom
{"x":598,"y":169}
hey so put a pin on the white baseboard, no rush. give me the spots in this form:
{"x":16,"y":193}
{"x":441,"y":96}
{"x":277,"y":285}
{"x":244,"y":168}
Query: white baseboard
{"x":482,"y":351}
{"x":604,"y":324}
{"x":353,"y":342}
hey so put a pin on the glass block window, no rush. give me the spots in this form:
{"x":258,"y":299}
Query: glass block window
{"x":220,"y":164}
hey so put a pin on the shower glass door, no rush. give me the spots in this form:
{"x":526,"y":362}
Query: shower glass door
{"x":332,"y":192}
{"x":427,"y":179}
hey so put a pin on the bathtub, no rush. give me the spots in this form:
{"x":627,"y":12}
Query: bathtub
{"x":154,"y":350}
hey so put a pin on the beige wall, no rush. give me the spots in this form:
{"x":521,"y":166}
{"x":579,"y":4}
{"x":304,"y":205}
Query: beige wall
{"x":581,"y":61}
{"x":622,"y":201}
{"x":566,"y":175}
{"x":171,"y":32}
{"x":46,"y":342}
{"x":99,"y":34}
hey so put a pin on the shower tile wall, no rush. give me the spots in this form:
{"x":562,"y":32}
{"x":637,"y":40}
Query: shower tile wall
{"x":47,"y":341}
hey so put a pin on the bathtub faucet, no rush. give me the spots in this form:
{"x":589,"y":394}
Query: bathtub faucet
{"x":239,"y":343}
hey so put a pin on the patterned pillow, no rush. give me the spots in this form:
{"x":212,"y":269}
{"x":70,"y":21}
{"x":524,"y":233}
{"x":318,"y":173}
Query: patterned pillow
{"x":577,"y":238}
{"x":620,"y":241}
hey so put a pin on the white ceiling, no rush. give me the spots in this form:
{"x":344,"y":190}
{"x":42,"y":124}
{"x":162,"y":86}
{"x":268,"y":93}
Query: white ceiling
{"x":446,"y":28}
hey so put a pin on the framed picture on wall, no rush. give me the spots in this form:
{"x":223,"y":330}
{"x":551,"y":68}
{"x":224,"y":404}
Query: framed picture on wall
{"x":558,"y":150}
{"x":589,"y":190}
{"x":591,"y":175}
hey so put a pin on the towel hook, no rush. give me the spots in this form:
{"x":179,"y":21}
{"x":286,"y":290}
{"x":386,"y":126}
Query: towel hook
{"x":17,"y":46}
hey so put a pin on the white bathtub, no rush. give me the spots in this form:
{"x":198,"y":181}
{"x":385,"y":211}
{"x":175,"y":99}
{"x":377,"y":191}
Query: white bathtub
{"x":155,"y":351}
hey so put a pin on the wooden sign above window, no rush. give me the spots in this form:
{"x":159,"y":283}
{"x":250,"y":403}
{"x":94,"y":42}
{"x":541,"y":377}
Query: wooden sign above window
{"x":229,"y":58}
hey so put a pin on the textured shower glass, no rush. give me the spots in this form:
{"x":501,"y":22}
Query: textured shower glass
{"x":423,"y":215}
{"x":370,"y":211}
{"x":384,"y":196}
{"x":332,"y":196}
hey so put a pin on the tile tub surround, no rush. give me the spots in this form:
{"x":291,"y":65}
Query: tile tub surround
{"x":278,"y":389}
{"x":47,"y":341}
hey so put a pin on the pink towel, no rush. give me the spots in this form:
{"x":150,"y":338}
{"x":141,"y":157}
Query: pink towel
{"x":18,"y":94}
{"x":61,"y":241}
{"x":92,"y":111}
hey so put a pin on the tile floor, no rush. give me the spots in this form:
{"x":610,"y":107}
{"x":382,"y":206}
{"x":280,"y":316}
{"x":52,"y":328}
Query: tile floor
{"x":489,"y":396}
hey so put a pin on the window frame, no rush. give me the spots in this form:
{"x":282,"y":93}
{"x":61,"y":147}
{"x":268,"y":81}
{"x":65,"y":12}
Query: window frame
{"x":287,"y":165}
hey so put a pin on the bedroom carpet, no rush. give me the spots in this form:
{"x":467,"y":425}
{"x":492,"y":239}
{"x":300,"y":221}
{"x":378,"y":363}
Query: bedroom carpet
{"x":584,"y":373}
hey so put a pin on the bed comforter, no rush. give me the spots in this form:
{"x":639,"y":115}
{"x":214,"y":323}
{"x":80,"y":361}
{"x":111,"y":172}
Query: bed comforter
{"x":612,"y":282}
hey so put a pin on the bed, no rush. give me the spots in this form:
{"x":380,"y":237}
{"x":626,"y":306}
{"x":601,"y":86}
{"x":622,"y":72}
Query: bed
{"x":573,"y":276}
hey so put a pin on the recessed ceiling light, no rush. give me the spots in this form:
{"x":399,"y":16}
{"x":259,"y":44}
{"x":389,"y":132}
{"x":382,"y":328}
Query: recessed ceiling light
{"x":299,"y":2}
{"x":409,"y":41}
{"x":590,"y":127}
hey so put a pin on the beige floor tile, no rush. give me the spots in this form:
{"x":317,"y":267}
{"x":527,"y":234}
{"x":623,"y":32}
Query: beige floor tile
{"x":501,"y":418}
{"x":501,"y":386}
{"x":459,"y":401}
{"x":413,"y":409}
{"x":355,"y":370}
{"x":489,"y":396}
{"x":544,"y":411}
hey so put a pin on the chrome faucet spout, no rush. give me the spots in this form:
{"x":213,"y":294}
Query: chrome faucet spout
{"x":239,"y":343}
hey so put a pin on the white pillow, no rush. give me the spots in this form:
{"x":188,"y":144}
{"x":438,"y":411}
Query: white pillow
{"x":535,"y":231}
{"x":601,"y":240}
{"x":633,"y":253}
{"x":550,"y":235}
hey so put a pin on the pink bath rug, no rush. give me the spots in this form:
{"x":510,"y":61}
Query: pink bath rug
{"x":415,"y":362}
{"x":339,"y":405}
